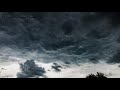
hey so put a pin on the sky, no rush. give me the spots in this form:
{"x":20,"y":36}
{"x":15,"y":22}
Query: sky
{"x":80,"y":42}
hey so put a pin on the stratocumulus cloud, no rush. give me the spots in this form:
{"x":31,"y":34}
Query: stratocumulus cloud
{"x":67,"y":37}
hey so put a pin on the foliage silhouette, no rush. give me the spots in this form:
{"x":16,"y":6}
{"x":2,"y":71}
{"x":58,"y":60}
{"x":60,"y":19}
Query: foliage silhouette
{"x":98,"y":75}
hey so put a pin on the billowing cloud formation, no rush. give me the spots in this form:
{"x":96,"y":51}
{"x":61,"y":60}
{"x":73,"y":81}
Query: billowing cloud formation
{"x":30,"y":69}
{"x":62,"y":36}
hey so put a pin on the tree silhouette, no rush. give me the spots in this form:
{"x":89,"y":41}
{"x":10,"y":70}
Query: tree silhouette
{"x":98,"y":75}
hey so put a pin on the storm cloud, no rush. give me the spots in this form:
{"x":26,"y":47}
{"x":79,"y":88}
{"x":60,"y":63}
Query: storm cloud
{"x":63,"y":36}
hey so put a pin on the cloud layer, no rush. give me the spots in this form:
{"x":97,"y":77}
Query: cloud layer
{"x":63,"y":36}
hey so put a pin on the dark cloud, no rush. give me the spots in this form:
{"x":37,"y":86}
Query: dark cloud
{"x":112,"y":17}
{"x":69,"y":26}
{"x":56,"y":67}
{"x":89,"y":34}
{"x":94,"y":59}
{"x":115,"y":58}
{"x":30,"y":69}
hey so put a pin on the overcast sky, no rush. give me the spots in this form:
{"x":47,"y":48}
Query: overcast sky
{"x":63,"y":37}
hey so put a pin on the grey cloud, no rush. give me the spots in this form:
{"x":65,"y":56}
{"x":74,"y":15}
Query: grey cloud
{"x":81,"y":34}
{"x":30,"y":69}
